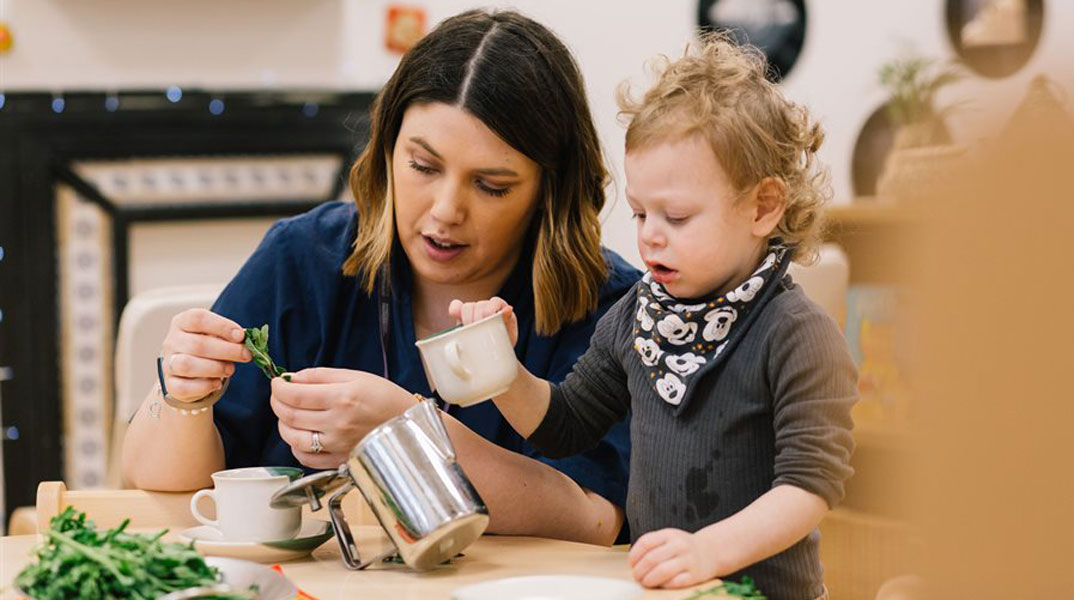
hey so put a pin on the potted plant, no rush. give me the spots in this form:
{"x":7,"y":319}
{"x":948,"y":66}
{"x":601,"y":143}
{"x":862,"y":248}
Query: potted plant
{"x":922,"y":140}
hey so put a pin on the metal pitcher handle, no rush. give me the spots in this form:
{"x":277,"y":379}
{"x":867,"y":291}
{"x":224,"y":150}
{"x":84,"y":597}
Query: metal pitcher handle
{"x":345,"y":539}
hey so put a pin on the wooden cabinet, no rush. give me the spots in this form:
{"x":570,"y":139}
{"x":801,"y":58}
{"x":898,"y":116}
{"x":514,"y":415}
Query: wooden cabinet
{"x":867,"y":540}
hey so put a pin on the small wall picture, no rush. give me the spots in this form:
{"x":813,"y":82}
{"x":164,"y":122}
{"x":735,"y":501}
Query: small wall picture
{"x":404,"y":26}
{"x":777,"y":27}
{"x":995,"y":38}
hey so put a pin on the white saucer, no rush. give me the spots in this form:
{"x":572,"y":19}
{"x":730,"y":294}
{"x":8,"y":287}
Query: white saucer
{"x":208,"y":541}
{"x":550,"y":587}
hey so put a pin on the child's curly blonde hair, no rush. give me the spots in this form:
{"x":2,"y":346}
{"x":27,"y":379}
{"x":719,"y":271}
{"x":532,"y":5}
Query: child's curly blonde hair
{"x":718,"y":89}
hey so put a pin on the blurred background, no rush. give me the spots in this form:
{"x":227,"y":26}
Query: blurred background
{"x":147,"y":146}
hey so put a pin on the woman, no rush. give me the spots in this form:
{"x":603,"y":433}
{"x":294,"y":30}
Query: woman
{"x":483,"y":176}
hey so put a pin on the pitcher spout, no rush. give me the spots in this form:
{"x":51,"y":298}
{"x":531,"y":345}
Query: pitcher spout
{"x":426,"y":416}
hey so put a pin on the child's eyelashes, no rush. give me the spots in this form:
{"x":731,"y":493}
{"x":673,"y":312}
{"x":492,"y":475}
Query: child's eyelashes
{"x":640,"y":216}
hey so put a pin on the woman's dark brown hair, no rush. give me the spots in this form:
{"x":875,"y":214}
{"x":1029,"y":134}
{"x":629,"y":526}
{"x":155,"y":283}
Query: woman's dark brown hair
{"x":517,"y":78}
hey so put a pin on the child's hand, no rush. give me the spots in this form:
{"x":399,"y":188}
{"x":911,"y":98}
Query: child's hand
{"x":468,"y":312}
{"x":671,"y":558}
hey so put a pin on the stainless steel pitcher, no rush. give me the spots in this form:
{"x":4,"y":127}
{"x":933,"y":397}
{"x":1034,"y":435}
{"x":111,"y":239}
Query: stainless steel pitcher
{"x":407,"y":472}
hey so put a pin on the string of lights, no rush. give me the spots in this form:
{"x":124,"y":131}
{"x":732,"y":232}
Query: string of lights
{"x":214,"y":103}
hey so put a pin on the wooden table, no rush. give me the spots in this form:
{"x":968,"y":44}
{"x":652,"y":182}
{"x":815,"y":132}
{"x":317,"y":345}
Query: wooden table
{"x":492,"y":557}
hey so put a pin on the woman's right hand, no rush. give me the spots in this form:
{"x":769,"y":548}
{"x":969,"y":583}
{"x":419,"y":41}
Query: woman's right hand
{"x":468,"y":312}
{"x":199,"y":351}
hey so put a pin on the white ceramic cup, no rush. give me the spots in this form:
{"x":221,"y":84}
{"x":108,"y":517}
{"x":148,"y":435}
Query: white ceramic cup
{"x":468,"y":364}
{"x":242,"y":499}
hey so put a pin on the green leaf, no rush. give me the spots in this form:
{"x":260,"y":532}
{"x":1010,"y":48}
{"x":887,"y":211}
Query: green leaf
{"x":746,"y":590}
{"x":912,"y":83}
{"x":257,"y":343}
{"x":78,"y":561}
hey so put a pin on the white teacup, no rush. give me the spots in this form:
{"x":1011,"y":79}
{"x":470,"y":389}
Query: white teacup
{"x":242,"y":499}
{"x":470,"y":363}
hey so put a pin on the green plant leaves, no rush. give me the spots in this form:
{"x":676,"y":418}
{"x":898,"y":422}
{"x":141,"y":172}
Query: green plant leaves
{"x":746,"y":590}
{"x":912,"y":83}
{"x":257,"y":343}
{"x":77,"y":561}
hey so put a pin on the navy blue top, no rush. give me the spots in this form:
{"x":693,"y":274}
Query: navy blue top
{"x":319,"y":317}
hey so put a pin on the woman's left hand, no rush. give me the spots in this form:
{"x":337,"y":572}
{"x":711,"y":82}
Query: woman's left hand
{"x":340,"y":405}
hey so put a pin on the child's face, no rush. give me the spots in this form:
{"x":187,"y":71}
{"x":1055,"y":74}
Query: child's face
{"x":694,"y":236}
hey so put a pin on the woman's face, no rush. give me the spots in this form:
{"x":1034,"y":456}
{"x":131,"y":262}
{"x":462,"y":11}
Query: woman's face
{"x":464,"y":198}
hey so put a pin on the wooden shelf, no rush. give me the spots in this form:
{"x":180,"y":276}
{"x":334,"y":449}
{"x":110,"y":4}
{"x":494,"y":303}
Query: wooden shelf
{"x":861,"y":551}
{"x":866,"y":211}
{"x":872,"y":234}
{"x":871,"y":521}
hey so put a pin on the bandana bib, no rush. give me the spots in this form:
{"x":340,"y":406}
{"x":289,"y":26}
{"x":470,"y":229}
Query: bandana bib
{"x":678,"y":342}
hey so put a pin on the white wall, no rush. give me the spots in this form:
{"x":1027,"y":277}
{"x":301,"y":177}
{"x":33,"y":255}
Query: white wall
{"x":72,"y":44}
{"x":64,"y":44}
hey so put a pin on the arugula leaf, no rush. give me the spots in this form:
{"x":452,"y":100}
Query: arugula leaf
{"x":77,"y":561}
{"x":746,"y":590}
{"x":257,"y":343}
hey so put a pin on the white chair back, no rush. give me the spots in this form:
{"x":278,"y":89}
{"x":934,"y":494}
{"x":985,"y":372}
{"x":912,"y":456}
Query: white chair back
{"x":825,"y":282}
{"x":142,"y":328}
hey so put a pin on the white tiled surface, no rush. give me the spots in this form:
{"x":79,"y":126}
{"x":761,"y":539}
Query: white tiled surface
{"x":223,"y":180}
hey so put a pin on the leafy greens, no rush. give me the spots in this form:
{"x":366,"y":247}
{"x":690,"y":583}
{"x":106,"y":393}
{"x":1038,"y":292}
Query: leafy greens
{"x":78,"y":561}
{"x":257,"y":343}
{"x":746,"y":590}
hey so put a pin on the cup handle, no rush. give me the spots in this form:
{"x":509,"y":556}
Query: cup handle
{"x":454,"y":360}
{"x":197,"y":514}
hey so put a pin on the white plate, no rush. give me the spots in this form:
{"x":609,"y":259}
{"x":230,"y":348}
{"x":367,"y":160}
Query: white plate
{"x":550,"y":587}
{"x":240,"y":574}
{"x":208,"y":541}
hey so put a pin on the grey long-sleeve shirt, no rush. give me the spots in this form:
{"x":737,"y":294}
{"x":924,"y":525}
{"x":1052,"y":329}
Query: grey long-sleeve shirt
{"x":776,"y":412}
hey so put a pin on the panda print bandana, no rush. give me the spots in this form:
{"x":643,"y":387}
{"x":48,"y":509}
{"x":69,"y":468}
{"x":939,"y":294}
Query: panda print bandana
{"x":679,"y":341}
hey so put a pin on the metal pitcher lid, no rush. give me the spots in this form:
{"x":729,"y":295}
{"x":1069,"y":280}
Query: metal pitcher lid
{"x":311,"y":488}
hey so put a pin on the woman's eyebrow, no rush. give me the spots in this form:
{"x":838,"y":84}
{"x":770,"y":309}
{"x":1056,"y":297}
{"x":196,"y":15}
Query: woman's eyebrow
{"x":421,"y":142}
{"x":507,"y":172}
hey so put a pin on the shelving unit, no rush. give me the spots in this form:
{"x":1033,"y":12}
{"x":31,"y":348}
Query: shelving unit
{"x":874,"y":235}
{"x":872,"y":519}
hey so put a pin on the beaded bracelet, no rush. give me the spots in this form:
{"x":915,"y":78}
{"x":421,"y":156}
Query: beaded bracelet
{"x":183,"y":408}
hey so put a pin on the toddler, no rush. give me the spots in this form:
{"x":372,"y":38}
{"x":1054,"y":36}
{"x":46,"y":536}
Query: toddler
{"x":740,"y":387}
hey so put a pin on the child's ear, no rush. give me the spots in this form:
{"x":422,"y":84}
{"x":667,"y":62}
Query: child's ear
{"x":770,"y":201}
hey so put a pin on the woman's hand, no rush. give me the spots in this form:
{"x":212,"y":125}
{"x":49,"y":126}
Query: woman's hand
{"x":672,"y":558}
{"x":199,"y":350}
{"x":468,"y":312}
{"x":340,"y":405}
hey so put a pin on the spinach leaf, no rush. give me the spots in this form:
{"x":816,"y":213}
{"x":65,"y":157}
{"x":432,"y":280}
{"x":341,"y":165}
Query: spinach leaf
{"x":257,"y":343}
{"x":77,"y":561}
{"x":746,"y":590}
